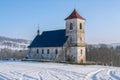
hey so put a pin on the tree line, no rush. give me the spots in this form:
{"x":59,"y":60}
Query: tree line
{"x":6,"y":54}
{"x":103,"y":54}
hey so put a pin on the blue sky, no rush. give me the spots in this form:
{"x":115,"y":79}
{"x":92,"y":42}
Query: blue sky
{"x":20,"y":18}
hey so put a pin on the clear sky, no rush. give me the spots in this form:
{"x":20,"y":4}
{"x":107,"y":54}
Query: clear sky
{"x":19,"y":18}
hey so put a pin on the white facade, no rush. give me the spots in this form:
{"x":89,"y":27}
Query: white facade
{"x":50,"y":53}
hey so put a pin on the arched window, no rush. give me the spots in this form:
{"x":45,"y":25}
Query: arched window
{"x":42,"y":51}
{"x":71,"y":26}
{"x":37,"y":51}
{"x":56,"y":51}
{"x":48,"y":51}
{"x":80,"y":25}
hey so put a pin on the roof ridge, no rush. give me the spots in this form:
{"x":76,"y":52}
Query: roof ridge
{"x":54,"y":30}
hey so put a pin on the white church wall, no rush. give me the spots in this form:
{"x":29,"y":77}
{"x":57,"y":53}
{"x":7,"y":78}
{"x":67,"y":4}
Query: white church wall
{"x":81,"y":32}
{"x":81,"y":55}
{"x":51,"y":55}
{"x":71,"y":33}
{"x":72,"y":51}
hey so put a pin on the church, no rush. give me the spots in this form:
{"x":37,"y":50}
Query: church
{"x":61,"y":45}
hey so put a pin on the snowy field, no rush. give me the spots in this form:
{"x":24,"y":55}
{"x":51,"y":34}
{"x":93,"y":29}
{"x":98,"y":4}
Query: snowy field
{"x":54,"y":71}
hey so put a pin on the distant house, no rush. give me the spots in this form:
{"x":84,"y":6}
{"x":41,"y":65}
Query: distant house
{"x":61,"y":45}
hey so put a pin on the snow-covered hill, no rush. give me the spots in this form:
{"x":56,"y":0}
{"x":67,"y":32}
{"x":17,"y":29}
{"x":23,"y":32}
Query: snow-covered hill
{"x":56,"y":71}
{"x":13,"y":44}
{"x":114,"y":45}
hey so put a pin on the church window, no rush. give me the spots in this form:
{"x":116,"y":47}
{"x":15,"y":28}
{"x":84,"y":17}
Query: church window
{"x":80,"y":25}
{"x":56,"y":51}
{"x":42,"y":51}
{"x":48,"y":51}
{"x":37,"y":51}
{"x":71,"y":26}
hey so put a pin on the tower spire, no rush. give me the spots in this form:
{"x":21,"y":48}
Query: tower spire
{"x":75,"y":4}
{"x":38,"y":31}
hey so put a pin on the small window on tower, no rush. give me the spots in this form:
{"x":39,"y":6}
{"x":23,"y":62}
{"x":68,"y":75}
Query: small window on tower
{"x":80,"y":25}
{"x":71,"y":26}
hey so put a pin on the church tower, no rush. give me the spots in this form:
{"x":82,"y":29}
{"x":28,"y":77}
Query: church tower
{"x":75,"y":30}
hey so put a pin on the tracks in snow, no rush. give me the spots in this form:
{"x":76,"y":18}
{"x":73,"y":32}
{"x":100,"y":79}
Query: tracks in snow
{"x":103,"y":74}
{"x":17,"y":71}
{"x":43,"y":74}
{"x":13,"y":75}
{"x":58,"y":74}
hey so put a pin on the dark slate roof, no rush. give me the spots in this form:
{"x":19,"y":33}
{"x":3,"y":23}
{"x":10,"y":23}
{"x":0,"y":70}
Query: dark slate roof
{"x":54,"y":38}
{"x":74,"y":14}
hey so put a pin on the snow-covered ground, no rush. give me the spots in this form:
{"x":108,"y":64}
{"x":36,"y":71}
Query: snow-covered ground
{"x":55,"y":71}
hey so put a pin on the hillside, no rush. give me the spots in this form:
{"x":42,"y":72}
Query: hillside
{"x":112,"y":45}
{"x":13,"y":44}
{"x":56,"y":71}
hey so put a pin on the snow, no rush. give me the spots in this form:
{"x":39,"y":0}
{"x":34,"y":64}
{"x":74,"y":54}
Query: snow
{"x":13,"y":44}
{"x":18,"y":70}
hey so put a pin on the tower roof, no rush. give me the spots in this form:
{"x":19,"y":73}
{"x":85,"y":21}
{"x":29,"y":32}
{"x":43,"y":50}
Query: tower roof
{"x":74,"y":14}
